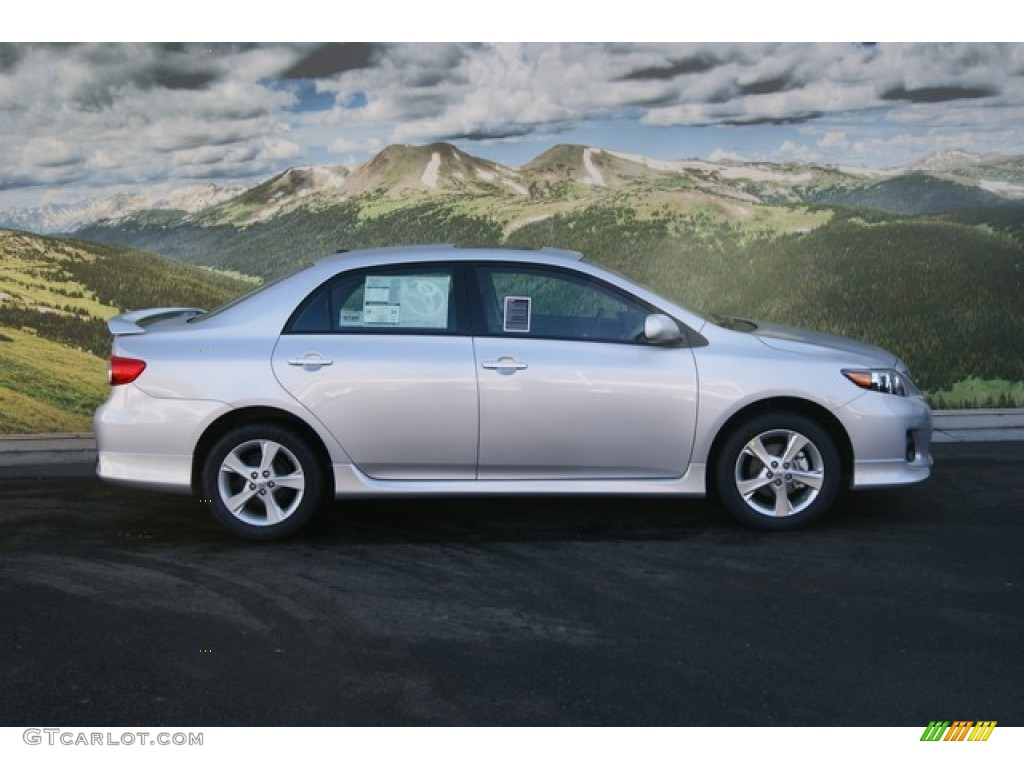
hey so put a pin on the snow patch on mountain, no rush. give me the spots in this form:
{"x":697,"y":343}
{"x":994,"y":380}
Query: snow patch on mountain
{"x":667,"y":165}
{"x":946,"y":160}
{"x":593,"y":176}
{"x":754,"y":173}
{"x":430,"y":173}
{"x":870,"y":173}
{"x":515,"y":186}
{"x":194,"y":198}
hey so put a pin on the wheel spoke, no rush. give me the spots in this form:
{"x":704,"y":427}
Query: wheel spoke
{"x":748,"y":488}
{"x":756,"y":448}
{"x":794,"y":445}
{"x":783,"y":507}
{"x":274,"y":512}
{"x":808,"y":478}
{"x":237,"y":502}
{"x":295,"y":480}
{"x":233,"y":463}
{"x":268,"y":452}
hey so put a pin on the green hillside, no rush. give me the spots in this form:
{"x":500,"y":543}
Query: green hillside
{"x":55,"y":295}
{"x":46,"y":386}
{"x":298,"y":236}
{"x":910,"y":194}
{"x":944,"y":295}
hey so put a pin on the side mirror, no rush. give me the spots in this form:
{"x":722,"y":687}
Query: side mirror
{"x":661,"y":329}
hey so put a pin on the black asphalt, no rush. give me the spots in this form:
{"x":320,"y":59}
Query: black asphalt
{"x":128,"y":608}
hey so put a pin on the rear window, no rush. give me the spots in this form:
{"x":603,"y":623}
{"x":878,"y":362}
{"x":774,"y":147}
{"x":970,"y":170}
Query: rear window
{"x":239,"y":299}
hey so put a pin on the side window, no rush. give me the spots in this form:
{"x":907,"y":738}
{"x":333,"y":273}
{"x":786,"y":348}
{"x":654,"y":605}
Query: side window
{"x":413,"y":299}
{"x":554,"y":304}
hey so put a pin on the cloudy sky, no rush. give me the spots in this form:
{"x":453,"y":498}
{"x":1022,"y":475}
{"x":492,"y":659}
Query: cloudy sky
{"x":83,"y":120}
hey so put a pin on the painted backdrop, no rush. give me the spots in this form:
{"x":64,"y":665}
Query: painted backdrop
{"x":871,"y":190}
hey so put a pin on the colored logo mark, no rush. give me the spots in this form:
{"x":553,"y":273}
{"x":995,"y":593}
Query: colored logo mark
{"x":958,"y":730}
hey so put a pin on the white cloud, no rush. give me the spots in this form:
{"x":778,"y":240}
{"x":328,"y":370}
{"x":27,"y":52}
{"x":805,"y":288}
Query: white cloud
{"x":122,"y":113}
{"x":49,"y":152}
{"x":790,"y":151}
{"x":344,"y":145}
{"x":833,"y":139}
{"x":112,"y":113}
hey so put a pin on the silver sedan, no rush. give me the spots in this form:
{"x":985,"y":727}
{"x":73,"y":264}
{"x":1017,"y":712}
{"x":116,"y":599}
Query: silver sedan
{"x":444,"y":370}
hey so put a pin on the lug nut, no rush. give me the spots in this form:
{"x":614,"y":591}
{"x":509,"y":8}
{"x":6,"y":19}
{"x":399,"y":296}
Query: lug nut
{"x":252,"y":486}
{"x":266,"y":473}
{"x":255,"y":475}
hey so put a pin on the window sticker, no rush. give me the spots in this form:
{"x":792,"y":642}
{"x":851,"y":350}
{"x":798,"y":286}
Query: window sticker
{"x":517,"y":314}
{"x":409,"y":301}
{"x":349,"y":318}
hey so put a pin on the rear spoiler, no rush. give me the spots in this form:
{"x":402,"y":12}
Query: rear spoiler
{"x":131,"y":323}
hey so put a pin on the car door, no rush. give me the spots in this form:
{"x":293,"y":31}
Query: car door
{"x":569,"y":387}
{"x":383,"y":358}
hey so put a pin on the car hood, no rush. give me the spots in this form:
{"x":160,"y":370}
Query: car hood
{"x":801,"y":340}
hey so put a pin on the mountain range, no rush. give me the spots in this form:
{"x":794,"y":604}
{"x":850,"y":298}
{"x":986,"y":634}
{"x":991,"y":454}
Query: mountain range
{"x":56,"y":218}
{"x":953,"y":179}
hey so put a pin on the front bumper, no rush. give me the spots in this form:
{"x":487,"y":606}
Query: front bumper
{"x":891,"y":439}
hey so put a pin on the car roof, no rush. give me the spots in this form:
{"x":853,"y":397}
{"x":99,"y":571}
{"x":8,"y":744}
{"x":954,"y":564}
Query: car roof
{"x":454,"y":253}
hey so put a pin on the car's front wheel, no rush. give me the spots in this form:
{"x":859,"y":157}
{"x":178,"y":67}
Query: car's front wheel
{"x":778,"y":471}
{"x":262,"y":481}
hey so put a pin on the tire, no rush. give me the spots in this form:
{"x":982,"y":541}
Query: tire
{"x":778,"y":471}
{"x":263,"y":481}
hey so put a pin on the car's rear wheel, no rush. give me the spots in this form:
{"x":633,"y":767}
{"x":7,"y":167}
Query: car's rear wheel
{"x":778,"y":471}
{"x":263,"y":481}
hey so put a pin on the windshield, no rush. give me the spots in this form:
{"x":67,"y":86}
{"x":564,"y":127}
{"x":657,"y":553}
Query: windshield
{"x":706,"y":317}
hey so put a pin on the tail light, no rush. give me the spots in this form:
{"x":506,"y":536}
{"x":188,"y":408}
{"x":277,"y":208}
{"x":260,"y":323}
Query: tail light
{"x":124,"y":370}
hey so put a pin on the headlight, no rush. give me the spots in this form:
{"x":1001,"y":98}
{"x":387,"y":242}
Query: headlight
{"x":880,"y":380}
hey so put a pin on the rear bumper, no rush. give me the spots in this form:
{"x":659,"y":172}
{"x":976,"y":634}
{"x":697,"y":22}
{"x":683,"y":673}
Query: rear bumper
{"x":148,"y":442}
{"x":171,"y":474}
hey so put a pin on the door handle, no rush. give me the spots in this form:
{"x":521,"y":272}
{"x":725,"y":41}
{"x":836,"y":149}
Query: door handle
{"x":310,"y":359}
{"x":506,"y":365}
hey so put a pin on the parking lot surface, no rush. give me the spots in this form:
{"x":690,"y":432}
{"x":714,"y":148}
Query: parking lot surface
{"x":128,"y":608}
